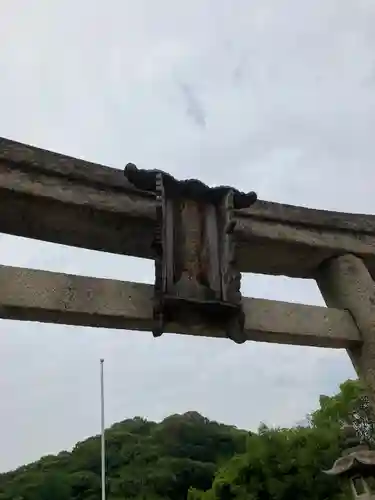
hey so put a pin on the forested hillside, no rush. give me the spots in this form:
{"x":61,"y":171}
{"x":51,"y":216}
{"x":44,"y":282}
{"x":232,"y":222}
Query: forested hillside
{"x":188,"y":456}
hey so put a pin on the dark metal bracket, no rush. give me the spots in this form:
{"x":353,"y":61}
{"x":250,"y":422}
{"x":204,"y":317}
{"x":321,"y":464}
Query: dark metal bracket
{"x":196,"y":280}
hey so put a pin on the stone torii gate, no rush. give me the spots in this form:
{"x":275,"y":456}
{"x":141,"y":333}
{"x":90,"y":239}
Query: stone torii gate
{"x":201,"y":239}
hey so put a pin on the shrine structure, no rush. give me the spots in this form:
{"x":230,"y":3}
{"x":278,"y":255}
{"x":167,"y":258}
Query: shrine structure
{"x":201,"y":240}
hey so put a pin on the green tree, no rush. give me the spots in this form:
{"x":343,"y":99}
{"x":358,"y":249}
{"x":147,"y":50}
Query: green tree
{"x":145,"y":460}
{"x":189,"y":455}
{"x":279,"y":464}
{"x":350,"y":405}
{"x":287,"y":463}
{"x":54,"y":485}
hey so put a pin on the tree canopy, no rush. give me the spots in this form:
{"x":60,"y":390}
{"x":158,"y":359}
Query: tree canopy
{"x":189,"y":456}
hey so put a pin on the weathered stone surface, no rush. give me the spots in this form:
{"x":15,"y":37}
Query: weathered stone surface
{"x":298,"y":324}
{"x":32,"y":295}
{"x":296,"y":240}
{"x":346,"y":283}
{"x":61,"y":210}
{"x":64,"y":200}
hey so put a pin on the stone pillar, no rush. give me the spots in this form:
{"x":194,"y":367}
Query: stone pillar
{"x":345,"y":283}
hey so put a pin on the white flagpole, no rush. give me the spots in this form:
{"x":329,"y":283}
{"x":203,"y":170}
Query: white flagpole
{"x":102,"y":428}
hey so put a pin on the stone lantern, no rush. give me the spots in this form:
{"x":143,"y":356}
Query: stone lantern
{"x":356,"y":466}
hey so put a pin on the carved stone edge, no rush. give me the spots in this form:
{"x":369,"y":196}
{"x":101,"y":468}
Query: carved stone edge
{"x":146,"y":180}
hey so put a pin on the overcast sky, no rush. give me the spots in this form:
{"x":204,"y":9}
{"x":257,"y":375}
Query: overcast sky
{"x":268,"y":95}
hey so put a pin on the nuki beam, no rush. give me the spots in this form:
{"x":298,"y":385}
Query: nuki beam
{"x":33,"y":295}
{"x":73,"y":202}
